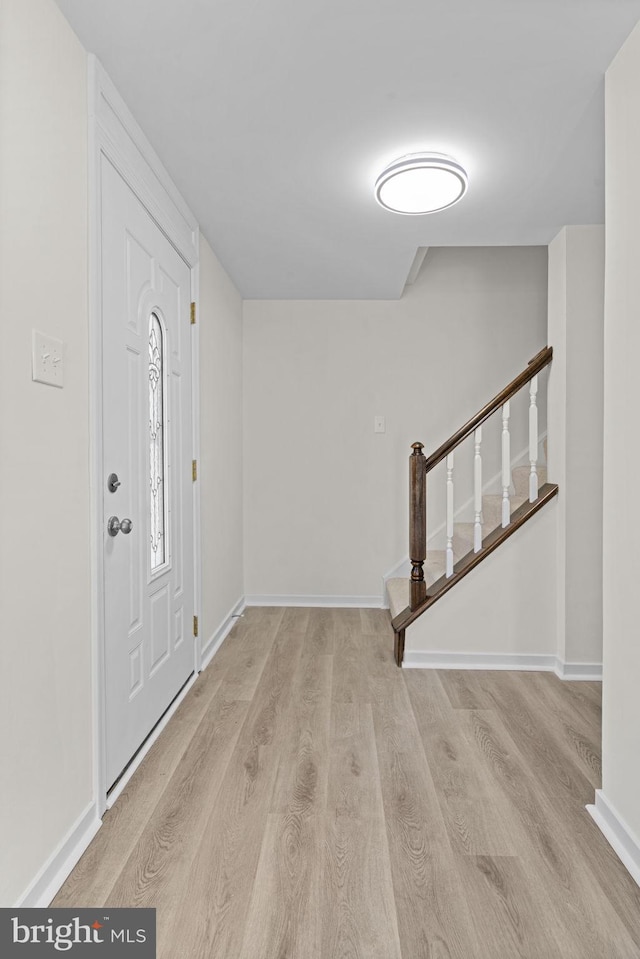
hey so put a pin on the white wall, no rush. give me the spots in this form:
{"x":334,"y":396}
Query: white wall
{"x":325,"y":497}
{"x":220,"y":331}
{"x":504,"y":607}
{"x":576,"y":332}
{"x":621,"y":523}
{"x":45,"y":675}
{"x":45,"y":589}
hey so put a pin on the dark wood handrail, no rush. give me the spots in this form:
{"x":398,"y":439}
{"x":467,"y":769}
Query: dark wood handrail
{"x":539,"y":361}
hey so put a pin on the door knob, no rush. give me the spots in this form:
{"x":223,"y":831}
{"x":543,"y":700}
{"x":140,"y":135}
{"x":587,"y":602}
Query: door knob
{"x":115,"y":526}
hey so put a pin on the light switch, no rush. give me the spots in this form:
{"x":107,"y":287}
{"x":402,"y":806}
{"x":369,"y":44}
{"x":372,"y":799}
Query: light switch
{"x":47,"y":359}
{"x":378,"y":424}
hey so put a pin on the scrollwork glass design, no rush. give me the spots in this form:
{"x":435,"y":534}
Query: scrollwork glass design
{"x":157,"y":443}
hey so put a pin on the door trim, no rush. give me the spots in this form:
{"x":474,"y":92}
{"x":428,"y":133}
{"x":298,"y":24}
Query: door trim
{"x":113,"y":133}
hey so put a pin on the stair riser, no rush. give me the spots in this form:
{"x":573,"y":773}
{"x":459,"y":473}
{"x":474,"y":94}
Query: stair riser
{"x":520,"y":479}
{"x":492,"y":511}
{"x":463,"y":538}
{"x":462,"y":544}
{"x":492,"y":508}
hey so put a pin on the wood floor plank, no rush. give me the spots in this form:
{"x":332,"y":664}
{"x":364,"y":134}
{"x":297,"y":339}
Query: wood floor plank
{"x":509,"y":913}
{"x":287,"y":881}
{"x":283,"y":916}
{"x":382,"y":675}
{"x":358,"y":916}
{"x":478,"y":822}
{"x":302,"y":768}
{"x":581,"y":700}
{"x":295,"y":621}
{"x":586,"y":697}
{"x":157,"y":869}
{"x":353,"y":788}
{"x":320,"y":635}
{"x":614,"y":882}
{"x":556,"y":862}
{"x":309,"y":800}
{"x":123,"y":824}
{"x":210,"y":919}
{"x":535,"y":735}
{"x":243,"y":673}
{"x":575,"y":737}
{"x":465,"y":688}
{"x":350,"y":683}
{"x":433,"y":918}
{"x":374,"y":621}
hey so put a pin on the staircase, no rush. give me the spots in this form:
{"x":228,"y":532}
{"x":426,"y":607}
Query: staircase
{"x":497,"y":516}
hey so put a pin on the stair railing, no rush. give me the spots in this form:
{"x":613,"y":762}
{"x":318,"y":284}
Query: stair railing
{"x":420,"y":466}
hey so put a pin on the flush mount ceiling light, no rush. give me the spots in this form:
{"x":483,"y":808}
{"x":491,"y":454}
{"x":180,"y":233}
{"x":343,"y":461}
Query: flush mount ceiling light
{"x":421,"y":183}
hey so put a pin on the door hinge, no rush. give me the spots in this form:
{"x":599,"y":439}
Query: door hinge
{"x":193,"y":313}
{"x":194,"y":470}
{"x":195,"y":625}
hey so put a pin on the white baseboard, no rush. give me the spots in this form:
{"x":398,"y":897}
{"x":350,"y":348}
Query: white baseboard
{"x":221,"y":633}
{"x":52,"y":875}
{"x":615,"y":830}
{"x":578,"y":671}
{"x":420,"y":659}
{"x":532,"y":662}
{"x":335,"y":602}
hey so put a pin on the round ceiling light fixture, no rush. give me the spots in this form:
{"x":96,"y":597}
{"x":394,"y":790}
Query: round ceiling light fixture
{"x":421,"y":183}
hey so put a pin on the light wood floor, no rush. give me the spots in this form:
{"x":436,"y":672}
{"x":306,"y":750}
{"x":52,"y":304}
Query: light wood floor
{"x":309,"y":800}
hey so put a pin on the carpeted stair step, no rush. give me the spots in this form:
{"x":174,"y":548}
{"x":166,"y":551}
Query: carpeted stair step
{"x":520,"y":479}
{"x":492,"y":508}
{"x":463,"y":538}
{"x":398,"y":588}
{"x":398,"y":595}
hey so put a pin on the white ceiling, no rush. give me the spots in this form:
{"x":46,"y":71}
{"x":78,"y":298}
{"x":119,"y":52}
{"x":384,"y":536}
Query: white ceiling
{"x":275,"y":116}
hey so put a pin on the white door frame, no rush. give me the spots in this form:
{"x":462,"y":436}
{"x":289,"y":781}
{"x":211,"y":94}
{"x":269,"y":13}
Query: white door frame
{"x":114,"y":133}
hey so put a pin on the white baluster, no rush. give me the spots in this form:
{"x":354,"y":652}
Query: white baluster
{"x":449,"y":555}
{"x":533,"y":440}
{"x":477,"y":490}
{"x":506,"y":465}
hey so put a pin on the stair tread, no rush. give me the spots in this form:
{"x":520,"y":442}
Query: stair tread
{"x":492,"y":507}
{"x":525,"y":470}
{"x":434,"y":565}
{"x":467,"y":529}
{"x":497,"y":498}
{"x":398,"y":593}
{"x":398,"y":587}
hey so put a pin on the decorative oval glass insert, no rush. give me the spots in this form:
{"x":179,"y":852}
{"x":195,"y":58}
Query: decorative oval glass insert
{"x":157,"y":444}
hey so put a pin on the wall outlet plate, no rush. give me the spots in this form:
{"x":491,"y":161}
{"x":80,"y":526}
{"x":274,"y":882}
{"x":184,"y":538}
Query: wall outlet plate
{"x":47,"y":359}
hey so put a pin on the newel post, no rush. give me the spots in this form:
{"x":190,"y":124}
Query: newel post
{"x":417,"y":512}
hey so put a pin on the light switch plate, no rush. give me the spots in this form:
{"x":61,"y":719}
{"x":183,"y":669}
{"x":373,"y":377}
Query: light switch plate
{"x":378,"y":424}
{"x":47,"y":359}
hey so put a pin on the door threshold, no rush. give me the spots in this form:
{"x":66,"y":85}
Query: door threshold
{"x":119,"y":785}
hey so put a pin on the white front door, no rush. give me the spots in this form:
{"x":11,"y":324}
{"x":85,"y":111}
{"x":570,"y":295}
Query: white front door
{"x":147,"y":456}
